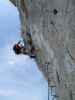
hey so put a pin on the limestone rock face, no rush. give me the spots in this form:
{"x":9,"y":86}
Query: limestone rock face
{"x":13,"y":1}
{"x":52,"y":24}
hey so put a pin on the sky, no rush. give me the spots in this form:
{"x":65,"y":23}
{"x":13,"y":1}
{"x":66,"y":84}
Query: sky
{"x":20,"y":78}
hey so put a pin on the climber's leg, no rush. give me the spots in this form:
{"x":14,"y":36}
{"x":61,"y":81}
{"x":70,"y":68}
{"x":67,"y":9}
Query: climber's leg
{"x":32,"y":56}
{"x":32,"y":52}
{"x":25,"y":51}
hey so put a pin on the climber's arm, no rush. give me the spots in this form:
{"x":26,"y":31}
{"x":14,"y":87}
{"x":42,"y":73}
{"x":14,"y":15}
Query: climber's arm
{"x":19,"y":42}
{"x":24,"y":8}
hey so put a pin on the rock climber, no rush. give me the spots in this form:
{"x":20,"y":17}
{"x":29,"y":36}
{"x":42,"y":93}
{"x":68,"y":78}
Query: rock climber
{"x":18,"y":48}
{"x":28,"y":48}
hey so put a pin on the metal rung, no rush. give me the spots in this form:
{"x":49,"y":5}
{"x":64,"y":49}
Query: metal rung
{"x":53,"y":90}
{"x":54,"y":97}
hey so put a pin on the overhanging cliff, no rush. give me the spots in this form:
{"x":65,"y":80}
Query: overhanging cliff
{"x":52,"y":24}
